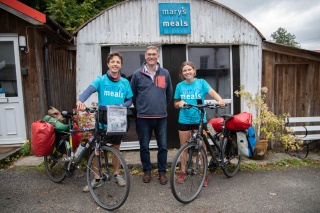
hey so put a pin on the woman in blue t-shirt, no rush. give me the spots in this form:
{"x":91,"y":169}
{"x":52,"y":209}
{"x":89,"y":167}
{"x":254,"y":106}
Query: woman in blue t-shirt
{"x":112,"y":89}
{"x":187,"y":92}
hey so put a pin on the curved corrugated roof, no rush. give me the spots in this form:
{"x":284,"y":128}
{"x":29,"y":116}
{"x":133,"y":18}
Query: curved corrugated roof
{"x":211,"y":1}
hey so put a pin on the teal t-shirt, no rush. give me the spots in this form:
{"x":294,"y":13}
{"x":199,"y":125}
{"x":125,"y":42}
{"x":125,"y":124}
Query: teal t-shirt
{"x":189,"y":93}
{"x":112,"y":93}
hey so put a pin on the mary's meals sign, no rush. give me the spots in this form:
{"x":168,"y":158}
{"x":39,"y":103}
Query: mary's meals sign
{"x":174,"y":18}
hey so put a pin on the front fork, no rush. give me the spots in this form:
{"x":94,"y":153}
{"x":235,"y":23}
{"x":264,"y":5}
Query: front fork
{"x":101,"y":155}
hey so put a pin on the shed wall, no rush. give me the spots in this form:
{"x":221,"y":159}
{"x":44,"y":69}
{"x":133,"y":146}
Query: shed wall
{"x":293,"y":81}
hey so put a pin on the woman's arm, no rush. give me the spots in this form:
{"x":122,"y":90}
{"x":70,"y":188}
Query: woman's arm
{"x":217,"y":97}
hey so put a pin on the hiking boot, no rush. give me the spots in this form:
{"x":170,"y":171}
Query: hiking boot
{"x":119,"y":180}
{"x":163,"y":179}
{"x":181,"y":177}
{"x":205,"y":183}
{"x":94,"y":185}
{"x":146,"y":177}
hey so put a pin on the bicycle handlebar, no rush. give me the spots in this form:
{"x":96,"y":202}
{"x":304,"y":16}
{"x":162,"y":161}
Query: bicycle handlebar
{"x":71,"y":113}
{"x":91,"y":109}
{"x":202,"y":106}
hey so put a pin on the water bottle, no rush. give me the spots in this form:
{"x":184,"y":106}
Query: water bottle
{"x":211,"y":129}
{"x":79,"y":150}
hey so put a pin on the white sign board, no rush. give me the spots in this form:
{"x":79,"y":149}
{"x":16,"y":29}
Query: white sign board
{"x":117,"y":120}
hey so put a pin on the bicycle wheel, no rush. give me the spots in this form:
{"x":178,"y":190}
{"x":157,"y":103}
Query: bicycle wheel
{"x":109,"y":195}
{"x":231,"y":160}
{"x":196,"y":163}
{"x":302,"y":151}
{"x":54,"y":165}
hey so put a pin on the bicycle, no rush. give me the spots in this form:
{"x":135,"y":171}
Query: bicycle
{"x":62,"y":163}
{"x":224,"y":154}
{"x":301,"y":149}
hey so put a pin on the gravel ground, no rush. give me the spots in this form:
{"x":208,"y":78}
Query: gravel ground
{"x":27,"y":189}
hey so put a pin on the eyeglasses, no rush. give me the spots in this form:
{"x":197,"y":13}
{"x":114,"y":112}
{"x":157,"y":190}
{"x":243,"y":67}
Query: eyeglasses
{"x":151,"y":54}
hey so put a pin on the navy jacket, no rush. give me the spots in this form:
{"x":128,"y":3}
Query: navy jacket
{"x":151,"y":97}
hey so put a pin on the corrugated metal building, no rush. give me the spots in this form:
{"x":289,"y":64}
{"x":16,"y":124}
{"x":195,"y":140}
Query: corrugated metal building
{"x":225,"y":47}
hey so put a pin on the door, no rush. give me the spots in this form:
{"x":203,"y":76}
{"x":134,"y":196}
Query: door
{"x":12,"y":122}
{"x":173,"y":56}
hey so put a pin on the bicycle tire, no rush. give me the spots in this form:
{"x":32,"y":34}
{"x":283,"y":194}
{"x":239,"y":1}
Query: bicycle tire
{"x":231,"y":160}
{"x":54,"y":165}
{"x":192,"y":185}
{"x":109,"y":195}
{"x":303,"y":152}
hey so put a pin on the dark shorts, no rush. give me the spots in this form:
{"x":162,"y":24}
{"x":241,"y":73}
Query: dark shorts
{"x":114,"y":139}
{"x":187,"y":127}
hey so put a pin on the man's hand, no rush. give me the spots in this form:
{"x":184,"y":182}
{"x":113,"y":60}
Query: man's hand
{"x":80,"y":106}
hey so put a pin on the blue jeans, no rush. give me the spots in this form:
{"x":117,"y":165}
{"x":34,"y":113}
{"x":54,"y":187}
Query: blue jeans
{"x":145,"y":128}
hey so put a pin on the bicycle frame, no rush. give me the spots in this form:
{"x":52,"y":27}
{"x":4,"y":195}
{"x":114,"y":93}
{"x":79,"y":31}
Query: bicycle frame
{"x":202,"y":137}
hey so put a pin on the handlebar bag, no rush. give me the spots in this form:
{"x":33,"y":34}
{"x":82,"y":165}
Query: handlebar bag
{"x":42,"y":138}
{"x":117,"y":120}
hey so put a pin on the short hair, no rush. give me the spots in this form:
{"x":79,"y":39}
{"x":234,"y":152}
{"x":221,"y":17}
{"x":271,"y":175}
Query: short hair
{"x":152,"y":47}
{"x":184,"y":64}
{"x":112,"y":54}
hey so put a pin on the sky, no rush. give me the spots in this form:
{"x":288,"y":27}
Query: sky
{"x":299,"y":17}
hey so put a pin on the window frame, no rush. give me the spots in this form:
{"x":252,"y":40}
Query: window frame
{"x":227,"y":100}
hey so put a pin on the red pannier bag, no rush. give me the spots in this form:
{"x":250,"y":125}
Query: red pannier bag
{"x":239,"y":122}
{"x":216,"y":124}
{"x":76,"y":137}
{"x":42,"y":138}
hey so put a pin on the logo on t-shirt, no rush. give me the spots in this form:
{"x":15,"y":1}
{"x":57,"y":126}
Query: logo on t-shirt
{"x":190,"y":94}
{"x":114,"y":91}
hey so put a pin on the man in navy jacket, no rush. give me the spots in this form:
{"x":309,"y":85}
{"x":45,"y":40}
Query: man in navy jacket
{"x":152,"y":91}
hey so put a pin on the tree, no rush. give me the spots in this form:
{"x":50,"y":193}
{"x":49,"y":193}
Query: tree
{"x":281,"y":36}
{"x":70,"y":14}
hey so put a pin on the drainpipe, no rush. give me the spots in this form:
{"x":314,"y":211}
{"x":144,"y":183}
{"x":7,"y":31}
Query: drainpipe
{"x":46,"y":64}
{"x":57,"y":26}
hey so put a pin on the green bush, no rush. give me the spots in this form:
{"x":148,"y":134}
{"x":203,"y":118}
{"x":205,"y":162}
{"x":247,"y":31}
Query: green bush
{"x":26,"y":149}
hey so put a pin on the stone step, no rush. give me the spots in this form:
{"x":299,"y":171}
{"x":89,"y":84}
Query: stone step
{"x":9,"y":148}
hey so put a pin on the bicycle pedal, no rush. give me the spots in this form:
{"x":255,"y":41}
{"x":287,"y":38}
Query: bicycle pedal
{"x":106,"y":177}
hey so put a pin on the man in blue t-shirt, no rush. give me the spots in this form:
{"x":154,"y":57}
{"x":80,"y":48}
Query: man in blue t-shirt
{"x":112,"y":90}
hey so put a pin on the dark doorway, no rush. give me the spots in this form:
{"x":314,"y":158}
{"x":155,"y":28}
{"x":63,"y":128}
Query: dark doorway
{"x":173,"y":56}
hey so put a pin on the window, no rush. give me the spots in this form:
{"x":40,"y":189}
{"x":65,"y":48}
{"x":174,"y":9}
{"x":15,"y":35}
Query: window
{"x":213,"y":65}
{"x":204,"y":62}
{"x":133,"y":58}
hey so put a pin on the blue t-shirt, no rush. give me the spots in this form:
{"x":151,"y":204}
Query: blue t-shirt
{"x":112,"y":93}
{"x":189,"y":93}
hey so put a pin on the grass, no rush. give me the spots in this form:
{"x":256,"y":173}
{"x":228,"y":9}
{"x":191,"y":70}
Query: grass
{"x":281,"y":164}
